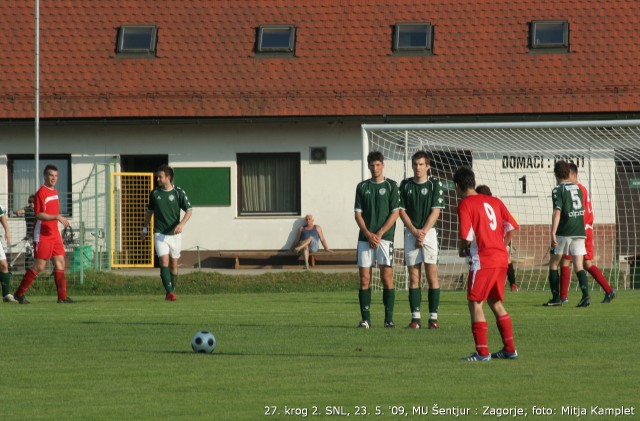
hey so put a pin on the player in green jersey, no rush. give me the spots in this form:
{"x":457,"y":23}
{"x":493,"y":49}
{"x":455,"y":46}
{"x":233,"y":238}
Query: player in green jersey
{"x":165,"y":203}
{"x":567,"y":233}
{"x":421,"y":201}
{"x":5,"y":275}
{"x":376,"y":209}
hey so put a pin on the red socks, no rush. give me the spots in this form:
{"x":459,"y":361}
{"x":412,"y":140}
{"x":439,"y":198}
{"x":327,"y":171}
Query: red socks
{"x":61,"y":283}
{"x":599,"y":277}
{"x":506,"y":333}
{"x":479,"y":330}
{"x":26,"y":282}
{"x":565,"y":280}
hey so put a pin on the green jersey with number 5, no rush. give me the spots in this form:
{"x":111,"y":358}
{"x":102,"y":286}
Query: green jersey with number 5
{"x":567,"y":197}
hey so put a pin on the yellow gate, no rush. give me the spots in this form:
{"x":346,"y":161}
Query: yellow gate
{"x":129,"y":198}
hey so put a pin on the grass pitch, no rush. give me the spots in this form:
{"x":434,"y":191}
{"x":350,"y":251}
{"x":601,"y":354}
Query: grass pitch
{"x":290,"y":355}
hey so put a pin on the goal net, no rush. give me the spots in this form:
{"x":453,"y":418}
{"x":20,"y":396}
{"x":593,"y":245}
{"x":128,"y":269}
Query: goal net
{"x":516,"y":161}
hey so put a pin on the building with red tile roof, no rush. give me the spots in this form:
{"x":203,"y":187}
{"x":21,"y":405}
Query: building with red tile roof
{"x":206,"y":65}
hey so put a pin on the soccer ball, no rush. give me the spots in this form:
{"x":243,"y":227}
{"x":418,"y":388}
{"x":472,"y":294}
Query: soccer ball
{"x":203,"y":342}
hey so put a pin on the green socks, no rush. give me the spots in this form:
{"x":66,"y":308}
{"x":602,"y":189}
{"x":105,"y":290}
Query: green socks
{"x":554,"y":283}
{"x":583,"y":282}
{"x":5,"y":279}
{"x":389,"y":300}
{"x":433,"y":295}
{"x":165,"y":275}
{"x":415,"y":299}
{"x":364,"y":297}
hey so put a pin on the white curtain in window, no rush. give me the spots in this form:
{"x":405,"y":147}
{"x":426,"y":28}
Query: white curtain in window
{"x":269,"y":184}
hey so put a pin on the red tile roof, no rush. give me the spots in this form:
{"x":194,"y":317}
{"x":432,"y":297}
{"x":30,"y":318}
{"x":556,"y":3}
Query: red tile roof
{"x":206,"y":67}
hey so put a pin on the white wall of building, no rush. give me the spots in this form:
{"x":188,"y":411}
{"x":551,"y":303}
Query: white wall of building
{"x":327,"y":190}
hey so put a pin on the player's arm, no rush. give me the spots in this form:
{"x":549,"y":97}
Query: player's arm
{"x":555,"y":221}
{"x":322,"y":239}
{"x":431,"y":220}
{"x":43,"y":216}
{"x":185,"y":219}
{"x":372,"y":238}
{"x":145,"y":226}
{"x":407,"y":222}
{"x":5,"y":225}
{"x":391,"y":219}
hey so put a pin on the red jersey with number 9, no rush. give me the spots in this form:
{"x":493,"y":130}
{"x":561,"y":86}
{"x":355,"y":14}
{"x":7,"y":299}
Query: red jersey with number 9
{"x":484,"y":220}
{"x":46,"y":201}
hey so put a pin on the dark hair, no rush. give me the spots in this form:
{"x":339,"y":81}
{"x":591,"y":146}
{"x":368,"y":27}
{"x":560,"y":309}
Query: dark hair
{"x":49,"y":167}
{"x":167,"y":170}
{"x":31,"y":199}
{"x":573,"y":168}
{"x":465,"y":178}
{"x":375,"y":156}
{"x":420,"y":154}
{"x":483,"y":189}
{"x":561,"y":169}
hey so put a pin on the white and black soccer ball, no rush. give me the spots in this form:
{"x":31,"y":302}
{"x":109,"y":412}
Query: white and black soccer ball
{"x":203,"y":342}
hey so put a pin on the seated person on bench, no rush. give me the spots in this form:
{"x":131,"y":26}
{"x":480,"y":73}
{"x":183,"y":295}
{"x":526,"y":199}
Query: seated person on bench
{"x":307,"y":239}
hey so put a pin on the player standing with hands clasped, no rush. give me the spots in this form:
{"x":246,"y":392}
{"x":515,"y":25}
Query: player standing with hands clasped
{"x":421,"y":201}
{"x":47,"y":239}
{"x":485,"y":227}
{"x":165,"y":203}
{"x":376,"y":210}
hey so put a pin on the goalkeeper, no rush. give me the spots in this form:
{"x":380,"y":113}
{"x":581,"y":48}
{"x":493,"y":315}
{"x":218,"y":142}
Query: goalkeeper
{"x":421,"y":201}
{"x":165,"y":203}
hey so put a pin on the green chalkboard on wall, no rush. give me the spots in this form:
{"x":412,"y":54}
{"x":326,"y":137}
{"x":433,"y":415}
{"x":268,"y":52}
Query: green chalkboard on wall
{"x":205,"y":186}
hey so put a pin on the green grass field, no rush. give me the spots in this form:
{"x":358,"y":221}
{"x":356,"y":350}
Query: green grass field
{"x":283,"y":355}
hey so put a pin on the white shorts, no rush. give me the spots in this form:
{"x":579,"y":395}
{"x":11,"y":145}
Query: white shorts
{"x":570,"y":245}
{"x":427,"y":253}
{"x":2,"y":255}
{"x":168,"y":244}
{"x":367,"y":256}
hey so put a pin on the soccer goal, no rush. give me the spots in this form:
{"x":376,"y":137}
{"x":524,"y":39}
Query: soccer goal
{"x":516,"y":161}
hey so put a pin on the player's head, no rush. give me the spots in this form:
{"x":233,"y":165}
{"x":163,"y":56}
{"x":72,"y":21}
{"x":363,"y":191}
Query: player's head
{"x":31,"y":200}
{"x":50,"y":175}
{"x":464,"y":179}
{"x":561,"y":169}
{"x":375,"y":161}
{"x":420,"y":164}
{"x":573,"y":172}
{"x":167,"y":170}
{"x":483,"y":189}
{"x":375,"y":156}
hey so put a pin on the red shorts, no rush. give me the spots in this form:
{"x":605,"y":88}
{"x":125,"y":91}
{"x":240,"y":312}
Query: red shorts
{"x":588,"y":244}
{"x":46,"y":248}
{"x":486,"y":283}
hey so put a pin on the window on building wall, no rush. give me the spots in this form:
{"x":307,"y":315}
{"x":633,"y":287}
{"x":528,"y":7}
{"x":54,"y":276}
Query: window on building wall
{"x":276,"y":39}
{"x":268,"y":183}
{"x":413,"y":38}
{"x":549,"y":36}
{"x":22,"y":179}
{"x":137,"y":40}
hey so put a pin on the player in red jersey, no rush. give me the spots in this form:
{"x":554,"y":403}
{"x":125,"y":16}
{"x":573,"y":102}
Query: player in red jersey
{"x":565,"y":271}
{"x":46,"y":238}
{"x":486,"y":227}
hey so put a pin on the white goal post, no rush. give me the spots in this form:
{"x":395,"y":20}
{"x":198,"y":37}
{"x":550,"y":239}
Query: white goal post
{"x":516,"y":161}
